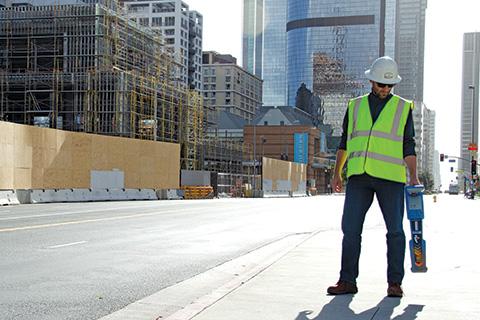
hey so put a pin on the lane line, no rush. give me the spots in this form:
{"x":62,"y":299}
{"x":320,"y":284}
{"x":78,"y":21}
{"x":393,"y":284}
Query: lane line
{"x":69,"y":213}
{"x":50,"y":225}
{"x":83,"y":211}
{"x":66,"y":245}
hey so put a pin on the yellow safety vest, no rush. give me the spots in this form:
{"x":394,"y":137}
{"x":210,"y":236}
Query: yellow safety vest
{"x":377,"y":148}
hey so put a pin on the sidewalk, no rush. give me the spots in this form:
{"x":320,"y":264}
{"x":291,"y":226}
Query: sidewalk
{"x":292,"y":285}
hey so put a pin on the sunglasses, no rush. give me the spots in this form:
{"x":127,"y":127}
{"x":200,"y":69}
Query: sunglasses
{"x":383,"y":85}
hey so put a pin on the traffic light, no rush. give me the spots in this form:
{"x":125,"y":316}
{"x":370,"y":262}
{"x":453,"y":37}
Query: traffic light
{"x":451,"y":169}
{"x":474,"y":167}
{"x":442,"y":157}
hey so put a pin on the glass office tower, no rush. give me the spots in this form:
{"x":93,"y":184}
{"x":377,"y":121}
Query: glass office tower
{"x":409,"y":47}
{"x":328,"y":44}
{"x":264,"y":45}
{"x":469,"y":126}
{"x":331,"y":43}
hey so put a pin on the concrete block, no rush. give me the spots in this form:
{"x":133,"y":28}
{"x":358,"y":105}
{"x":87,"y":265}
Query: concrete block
{"x":23,"y":196}
{"x":8,"y":197}
{"x":41,"y":195}
{"x":81,"y":195}
{"x":132,"y":194}
{"x":148,"y":194}
{"x":117,"y":194}
{"x":61,"y":195}
{"x":100,"y":195}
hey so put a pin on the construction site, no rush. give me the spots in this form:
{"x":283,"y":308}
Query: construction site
{"x":89,"y":69}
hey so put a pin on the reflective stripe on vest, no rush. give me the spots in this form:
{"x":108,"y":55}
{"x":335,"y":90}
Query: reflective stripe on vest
{"x":377,"y":148}
{"x":392,"y":135}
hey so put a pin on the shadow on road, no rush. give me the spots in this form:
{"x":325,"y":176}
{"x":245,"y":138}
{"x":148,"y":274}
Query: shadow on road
{"x":339,"y":309}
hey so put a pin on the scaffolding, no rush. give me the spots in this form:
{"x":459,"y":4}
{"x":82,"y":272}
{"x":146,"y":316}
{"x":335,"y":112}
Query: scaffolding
{"x":88,"y":68}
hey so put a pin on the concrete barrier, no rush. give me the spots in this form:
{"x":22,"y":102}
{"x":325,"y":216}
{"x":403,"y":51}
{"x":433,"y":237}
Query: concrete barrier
{"x":276,"y":193}
{"x":99,"y":195}
{"x":117,"y":194}
{"x":41,"y":196}
{"x":148,"y":194}
{"x":75,"y":195}
{"x":81,"y":195}
{"x":8,"y":197}
{"x":169,"y":194}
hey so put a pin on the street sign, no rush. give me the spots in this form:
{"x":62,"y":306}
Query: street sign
{"x":472,"y":147}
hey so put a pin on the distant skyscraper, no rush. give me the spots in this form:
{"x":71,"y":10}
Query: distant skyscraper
{"x":409,"y":47}
{"x":328,"y":45}
{"x":470,"y":95}
{"x":428,"y":145}
{"x":264,"y":46}
{"x":331,"y":44}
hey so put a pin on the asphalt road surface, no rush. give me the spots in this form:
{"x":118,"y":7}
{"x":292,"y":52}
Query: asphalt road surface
{"x":87,"y":260}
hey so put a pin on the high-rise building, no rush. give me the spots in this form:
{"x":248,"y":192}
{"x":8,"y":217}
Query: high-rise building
{"x":428,"y":145}
{"x":182,"y":30}
{"x":331,"y":44}
{"x":264,"y":46}
{"x":228,"y":87}
{"x":424,"y":123}
{"x":409,"y":47}
{"x":418,"y":123}
{"x":470,"y":94}
{"x":327,"y":45}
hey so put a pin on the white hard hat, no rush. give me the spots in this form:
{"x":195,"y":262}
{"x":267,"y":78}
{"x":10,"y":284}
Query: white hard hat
{"x":384,"y":70}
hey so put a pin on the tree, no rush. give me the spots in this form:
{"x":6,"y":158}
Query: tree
{"x":427,"y":180}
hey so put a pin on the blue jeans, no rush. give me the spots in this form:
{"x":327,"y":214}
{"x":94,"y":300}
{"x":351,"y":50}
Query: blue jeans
{"x":358,"y":199}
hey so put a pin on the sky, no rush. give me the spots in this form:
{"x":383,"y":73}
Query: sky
{"x":446,"y":22}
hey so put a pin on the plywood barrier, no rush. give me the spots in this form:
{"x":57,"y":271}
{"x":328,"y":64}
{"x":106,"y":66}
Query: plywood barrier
{"x":42,"y":158}
{"x":283,"y":177}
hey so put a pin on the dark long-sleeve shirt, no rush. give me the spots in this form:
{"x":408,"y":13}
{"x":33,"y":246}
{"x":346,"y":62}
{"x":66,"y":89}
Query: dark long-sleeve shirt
{"x":376,"y":106}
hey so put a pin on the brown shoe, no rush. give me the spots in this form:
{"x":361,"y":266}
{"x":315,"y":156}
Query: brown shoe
{"x":394,"y":290}
{"x":342,"y":287}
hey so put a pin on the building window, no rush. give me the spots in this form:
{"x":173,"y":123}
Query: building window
{"x":169,"y":32}
{"x":143,"y":22}
{"x":169,"y":21}
{"x":163,"y":7}
{"x":156,"y":22}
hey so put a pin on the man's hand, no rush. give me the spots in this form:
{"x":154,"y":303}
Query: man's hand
{"x":337,"y":183}
{"x":414,"y":181}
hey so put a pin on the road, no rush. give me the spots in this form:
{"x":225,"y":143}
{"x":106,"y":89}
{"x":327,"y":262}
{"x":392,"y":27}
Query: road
{"x":87,"y":260}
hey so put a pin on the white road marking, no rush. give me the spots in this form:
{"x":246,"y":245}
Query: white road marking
{"x":66,"y":245}
{"x":84,"y":211}
{"x":69,"y":213}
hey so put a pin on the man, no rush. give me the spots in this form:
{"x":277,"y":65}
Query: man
{"x":377,"y":141}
